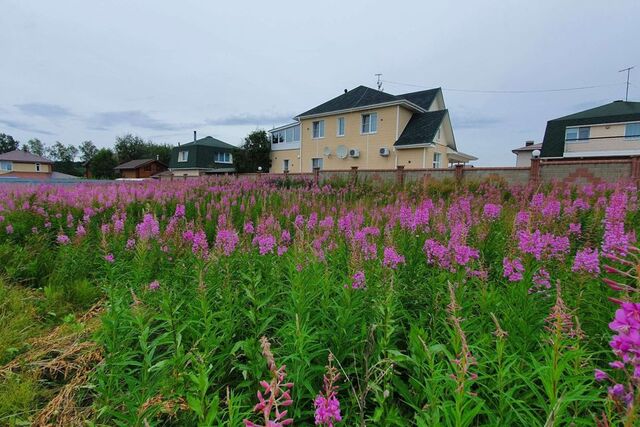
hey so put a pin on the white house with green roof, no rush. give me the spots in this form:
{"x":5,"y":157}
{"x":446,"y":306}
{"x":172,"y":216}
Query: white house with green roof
{"x":203,"y":156}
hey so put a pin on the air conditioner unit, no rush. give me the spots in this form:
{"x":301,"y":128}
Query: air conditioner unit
{"x":384,"y":151}
{"x":354,"y":152}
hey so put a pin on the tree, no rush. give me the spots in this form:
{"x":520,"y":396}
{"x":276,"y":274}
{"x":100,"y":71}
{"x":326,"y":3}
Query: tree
{"x":7,"y":143}
{"x":87,"y":151}
{"x":35,"y":146}
{"x":63,"y":153}
{"x":130,"y":147}
{"x":254,"y":153}
{"x":102,"y":164}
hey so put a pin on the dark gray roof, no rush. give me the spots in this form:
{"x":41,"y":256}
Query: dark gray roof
{"x":135,"y":164}
{"x":363,"y":96}
{"x":23,"y":156}
{"x":614,"y":112}
{"x":209,"y":141}
{"x":422,"y":128}
{"x":528,"y":147}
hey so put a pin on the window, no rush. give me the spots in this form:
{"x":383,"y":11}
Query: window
{"x":316,"y":163}
{"x":285,"y":165}
{"x":223,"y":158}
{"x":183,"y":156}
{"x":436,"y":160}
{"x":577,"y":133}
{"x":291,"y":134}
{"x":6,"y":166}
{"x":632,"y":131}
{"x":318,"y":129}
{"x":340,"y":126}
{"x":369,"y":123}
{"x":37,"y":167}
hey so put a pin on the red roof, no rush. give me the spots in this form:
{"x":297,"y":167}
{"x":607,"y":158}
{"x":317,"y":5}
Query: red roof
{"x":21,"y":156}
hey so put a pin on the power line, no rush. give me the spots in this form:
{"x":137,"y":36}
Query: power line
{"x":508,"y":91}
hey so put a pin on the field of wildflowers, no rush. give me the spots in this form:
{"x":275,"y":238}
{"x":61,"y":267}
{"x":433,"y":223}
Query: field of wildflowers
{"x":265,"y":303}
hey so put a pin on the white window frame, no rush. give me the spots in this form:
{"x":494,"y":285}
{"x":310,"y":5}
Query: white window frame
{"x":38,"y":167}
{"x":372,"y":123}
{"x":285,"y":165}
{"x":341,"y":120}
{"x":577,"y":139}
{"x":6,"y":165}
{"x":631,"y":137}
{"x":223,"y":157}
{"x":183,"y":156}
{"x":437,"y":157}
{"x":320,"y":127}
{"x":319,"y":161}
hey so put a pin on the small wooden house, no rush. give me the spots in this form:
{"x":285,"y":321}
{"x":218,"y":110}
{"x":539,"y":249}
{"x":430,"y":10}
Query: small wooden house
{"x":141,"y":168}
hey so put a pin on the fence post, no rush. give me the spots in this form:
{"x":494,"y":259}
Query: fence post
{"x":354,"y":175}
{"x":534,"y":171}
{"x":635,"y":169}
{"x":400,"y":174}
{"x":459,"y":172}
{"x":316,"y":176}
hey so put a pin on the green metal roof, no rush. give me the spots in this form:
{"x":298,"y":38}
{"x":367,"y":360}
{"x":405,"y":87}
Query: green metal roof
{"x":614,"y":112}
{"x":209,"y":141}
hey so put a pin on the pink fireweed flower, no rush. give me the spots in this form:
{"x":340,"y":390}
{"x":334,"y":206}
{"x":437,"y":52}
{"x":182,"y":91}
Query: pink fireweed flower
{"x":491,"y":211}
{"x":63,"y":239}
{"x":282,"y":250}
{"x":392,"y":258}
{"x":226,"y":241}
{"x":200,"y":246}
{"x":105,"y":228}
{"x":586,"y":261}
{"x":180,"y":211}
{"x":358,"y":280}
{"x":130,"y":243}
{"x":512,"y":269}
{"x":575,"y":228}
{"x":542,"y":278}
{"x":154,"y":286}
{"x":326,"y":403}
{"x":248,"y":227}
{"x":285,"y":236}
{"x":265,"y":243}
{"x":109,"y":257}
{"x":626,"y":342}
{"x":148,"y":228}
{"x":600,"y":375}
{"x":80,"y":230}
{"x":9,"y":229}
{"x":522,"y":218}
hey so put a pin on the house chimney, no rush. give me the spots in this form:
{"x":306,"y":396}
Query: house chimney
{"x":158,"y":157}
{"x":194,"y":135}
{"x":528,"y":143}
{"x":345,"y":91}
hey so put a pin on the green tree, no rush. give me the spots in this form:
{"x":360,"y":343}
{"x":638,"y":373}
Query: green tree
{"x":63,"y":153}
{"x":254,"y":153}
{"x":102,"y":164}
{"x":130,"y":147}
{"x":7,"y":143}
{"x":87,"y":151}
{"x":35,"y":146}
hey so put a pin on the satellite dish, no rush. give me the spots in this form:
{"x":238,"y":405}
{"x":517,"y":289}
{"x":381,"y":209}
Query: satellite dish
{"x":341,"y":151}
{"x":327,"y":151}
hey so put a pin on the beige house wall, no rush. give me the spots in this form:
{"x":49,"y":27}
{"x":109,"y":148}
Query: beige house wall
{"x":614,"y":140}
{"x":28,"y":167}
{"x":187,"y":172}
{"x":278,"y":157}
{"x":523,"y":159}
{"x":391,"y":122}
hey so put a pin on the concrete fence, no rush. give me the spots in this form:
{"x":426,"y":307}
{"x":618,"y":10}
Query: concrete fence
{"x":541,"y":171}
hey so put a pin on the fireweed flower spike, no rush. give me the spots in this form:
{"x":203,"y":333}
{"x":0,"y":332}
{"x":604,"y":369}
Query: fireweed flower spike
{"x":326,"y":403}
{"x":277,"y":394}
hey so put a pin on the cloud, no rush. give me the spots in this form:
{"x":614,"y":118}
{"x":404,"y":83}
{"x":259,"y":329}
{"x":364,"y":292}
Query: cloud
{"x":16,"y":124}
{"x":134,"y":118}
{"x":250,"y":119}
{"x":51,"y":111}
{"x":473,"y":121}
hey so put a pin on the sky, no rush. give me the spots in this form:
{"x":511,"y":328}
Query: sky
{"x":93,"y":70}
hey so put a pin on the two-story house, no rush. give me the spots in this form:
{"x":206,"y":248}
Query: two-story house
{"x":611,"y":130}
{"x":201,"y":157}
{"x":22,"y":164}
{"x":369,"y":129}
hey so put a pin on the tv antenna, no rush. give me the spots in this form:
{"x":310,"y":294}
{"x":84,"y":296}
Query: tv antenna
{"x":628,"y":70}
{"x":379,"y":82}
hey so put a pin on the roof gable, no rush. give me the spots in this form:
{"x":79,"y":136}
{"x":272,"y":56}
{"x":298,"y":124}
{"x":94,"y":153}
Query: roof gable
{"x":208,"y":141}
{"x":135,"y":164}
{"x":423,"y":98}
{"x":355,"y":98}
{"x":422,"y":128}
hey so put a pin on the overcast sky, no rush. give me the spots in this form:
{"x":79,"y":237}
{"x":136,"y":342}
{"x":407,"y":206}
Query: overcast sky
{"x":77,"y":70}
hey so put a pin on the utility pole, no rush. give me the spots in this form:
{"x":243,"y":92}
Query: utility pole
{"x":628,"y":70}
{"x":379,"y":82}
